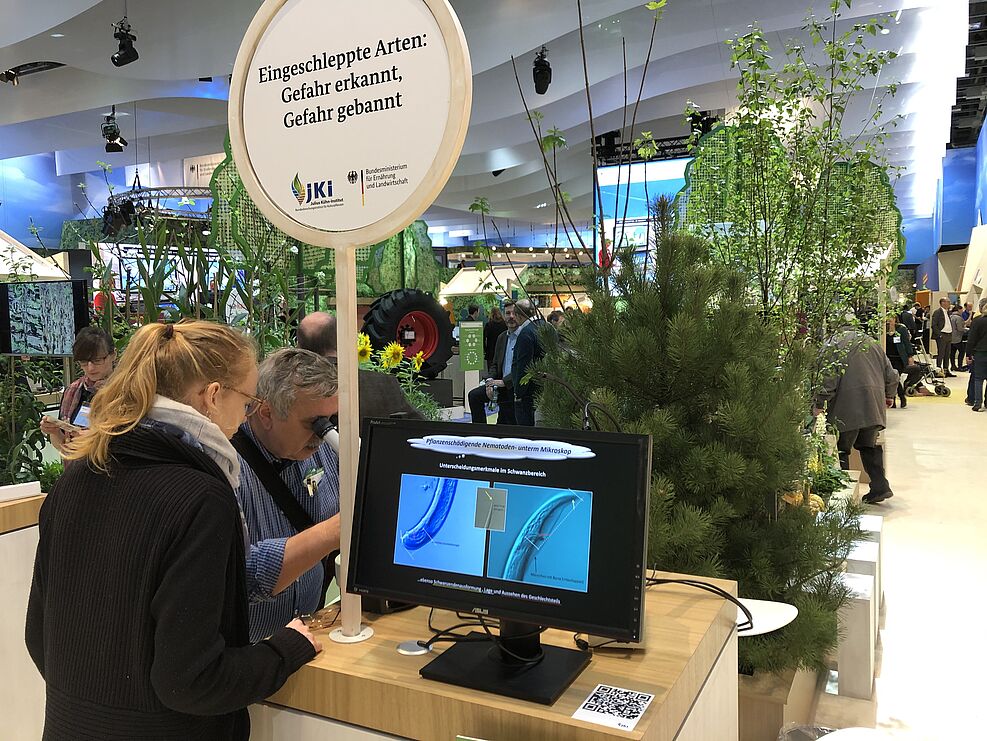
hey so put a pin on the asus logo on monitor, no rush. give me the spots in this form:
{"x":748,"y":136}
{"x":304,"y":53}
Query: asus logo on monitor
{"x":480,"y":611}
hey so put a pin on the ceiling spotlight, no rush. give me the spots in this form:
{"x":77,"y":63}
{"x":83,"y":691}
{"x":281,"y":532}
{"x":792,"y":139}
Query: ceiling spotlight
{"x":496,"y":173}
{"x":111,"y":132}
{"x":126,"y":53}
{"x":9,"y":76}
{"x":542,"y":71}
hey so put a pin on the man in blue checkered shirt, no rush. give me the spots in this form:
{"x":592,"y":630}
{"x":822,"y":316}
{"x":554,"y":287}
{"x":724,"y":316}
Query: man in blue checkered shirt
{"x":284,"y":566}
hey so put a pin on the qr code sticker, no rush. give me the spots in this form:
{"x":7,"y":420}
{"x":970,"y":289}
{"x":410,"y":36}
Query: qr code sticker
{"x":614,"y":707}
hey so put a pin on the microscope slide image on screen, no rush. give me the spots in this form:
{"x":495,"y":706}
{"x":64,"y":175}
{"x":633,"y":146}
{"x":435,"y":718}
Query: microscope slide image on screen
{"x":529,"y":534}
{"x":42,"y":318}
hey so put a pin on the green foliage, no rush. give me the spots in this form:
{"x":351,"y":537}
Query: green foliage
{"x":22,"y":442}
{"x":793,"y":192}
{"x":50,"y":473}
{"x":406,"y":260}
{"x":681,"y":355}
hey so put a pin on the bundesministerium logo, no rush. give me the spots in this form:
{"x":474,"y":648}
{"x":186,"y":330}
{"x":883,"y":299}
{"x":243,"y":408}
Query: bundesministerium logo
{"x":319,"y":190}
{"x":353,"y":177}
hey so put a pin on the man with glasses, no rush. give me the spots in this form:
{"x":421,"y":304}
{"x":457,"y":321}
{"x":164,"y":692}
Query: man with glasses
{"x":93,"y":350}
{"x":289,"y":488}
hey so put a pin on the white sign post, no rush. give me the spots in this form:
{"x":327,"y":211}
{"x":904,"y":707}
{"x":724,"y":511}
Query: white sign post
{"x":346,"y":120}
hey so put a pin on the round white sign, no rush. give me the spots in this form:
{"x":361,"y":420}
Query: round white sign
{"x":347,"y":117}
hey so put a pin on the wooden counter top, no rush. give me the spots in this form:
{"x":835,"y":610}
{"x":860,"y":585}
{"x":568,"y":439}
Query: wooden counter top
{"x":20,"y":513}
{"x":370,"y":685}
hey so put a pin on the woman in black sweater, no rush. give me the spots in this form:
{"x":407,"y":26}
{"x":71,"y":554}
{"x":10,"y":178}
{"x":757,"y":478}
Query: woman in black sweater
{"x":137,"y":617}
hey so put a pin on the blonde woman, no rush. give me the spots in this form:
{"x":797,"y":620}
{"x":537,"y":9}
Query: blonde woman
{"x":137,"y":617}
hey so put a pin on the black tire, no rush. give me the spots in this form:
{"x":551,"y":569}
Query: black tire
{"x":417,"y":321}
{"x":911,"y":391}
{"x":946,"y":391}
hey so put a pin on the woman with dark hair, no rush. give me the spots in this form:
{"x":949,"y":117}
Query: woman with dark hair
{"x":137,"y":617}
{"x":93,"y":350}
{"x":494,"y":328}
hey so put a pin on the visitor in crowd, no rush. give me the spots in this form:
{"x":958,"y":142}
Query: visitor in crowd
{"x":922,"y":326}
{"x":93,"y":350}
{"x":942,"y":333}
{"x":500,"y":385}
{"x":967,"y":314}
{"x":976,"y":350}
{"x":527,"y":350}
{"x":907,"y":318}
{"x":956,"y":355}
{"x":380,"y":393}
{"x":137,"y":616}
{"x":556,"y":319}
{"x":495,"y":327}
{"x":858,"y":393}
{"x":289,"y":489}
{"x":900,"y":352}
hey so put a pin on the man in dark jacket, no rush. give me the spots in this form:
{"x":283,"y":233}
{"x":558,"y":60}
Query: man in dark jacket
{"x":500,"y":377}
{"x":976,"y":350}
{"x":942,"y":333}
{"x":859,"y":387}
{"x":527,"y":350}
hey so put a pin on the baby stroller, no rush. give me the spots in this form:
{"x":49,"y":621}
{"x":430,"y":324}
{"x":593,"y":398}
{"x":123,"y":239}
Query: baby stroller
{"x":930,"y":374}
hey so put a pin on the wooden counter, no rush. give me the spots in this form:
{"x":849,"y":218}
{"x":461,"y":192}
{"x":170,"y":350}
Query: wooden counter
{"x":20,"y":513}
{"x":22,"y":691}
{"x":691,"y":646}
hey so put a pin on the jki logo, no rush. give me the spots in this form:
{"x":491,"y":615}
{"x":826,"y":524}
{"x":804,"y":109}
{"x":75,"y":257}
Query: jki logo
{"x":309,"y":192}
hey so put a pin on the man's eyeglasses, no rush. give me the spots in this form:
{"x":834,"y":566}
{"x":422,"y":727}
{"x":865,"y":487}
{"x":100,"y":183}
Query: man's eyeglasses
{"x":251,"y":406}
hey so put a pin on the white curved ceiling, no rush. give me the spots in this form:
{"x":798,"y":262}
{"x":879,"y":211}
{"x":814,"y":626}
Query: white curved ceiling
{"x":181,"y":41}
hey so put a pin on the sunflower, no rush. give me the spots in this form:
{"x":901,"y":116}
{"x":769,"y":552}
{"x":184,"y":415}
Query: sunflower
{"x":417,"y":361}
{"x":363,"y":340}
{"x":392,"y":355}
{"x":363,"y":353}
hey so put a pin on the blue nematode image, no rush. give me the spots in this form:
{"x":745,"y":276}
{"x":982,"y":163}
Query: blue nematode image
{"x":425,"y":530}
{"x":536,"y":531}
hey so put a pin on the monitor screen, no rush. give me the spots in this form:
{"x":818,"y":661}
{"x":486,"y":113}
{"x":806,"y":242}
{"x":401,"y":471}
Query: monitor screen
{"x":530,"y":525}
{"x":42,"y":317}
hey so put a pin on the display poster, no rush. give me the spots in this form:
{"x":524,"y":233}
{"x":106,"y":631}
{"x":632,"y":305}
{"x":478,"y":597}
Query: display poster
{"x":348,"y":111}
{"x":471,"y":346}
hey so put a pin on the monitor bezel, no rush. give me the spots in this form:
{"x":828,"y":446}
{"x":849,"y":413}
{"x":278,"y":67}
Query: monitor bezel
{"x":643,"y":475}
{"x":80,"y":310}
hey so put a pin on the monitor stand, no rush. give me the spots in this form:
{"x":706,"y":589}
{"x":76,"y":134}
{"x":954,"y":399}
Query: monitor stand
{"x":481,"y":665}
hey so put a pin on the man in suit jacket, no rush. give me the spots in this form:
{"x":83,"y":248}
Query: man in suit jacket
{"x":942,"y":333}
{"x":380,"y":393}
{"x":527,"y":350}
{"x":500,"y":376}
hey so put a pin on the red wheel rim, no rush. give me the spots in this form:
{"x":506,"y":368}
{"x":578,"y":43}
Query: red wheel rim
{"x":418,"y":332}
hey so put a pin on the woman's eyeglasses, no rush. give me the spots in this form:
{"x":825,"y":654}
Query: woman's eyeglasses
{"x":251,"y":406}
{"x":92,"y":361}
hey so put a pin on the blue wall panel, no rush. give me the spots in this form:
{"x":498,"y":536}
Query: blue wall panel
{"x":959,"y":195}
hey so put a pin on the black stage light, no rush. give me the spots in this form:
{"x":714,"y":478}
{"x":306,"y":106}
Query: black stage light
{"x":496,"y":173}
{"x":542,"y":71}
{"x":606,"y":144}
{"x":9,"y":76}
{"x":126,"y":53}
{"x":111,"y":132}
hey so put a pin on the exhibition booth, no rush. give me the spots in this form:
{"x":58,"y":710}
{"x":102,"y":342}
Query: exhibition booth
{"x":534,"y":580}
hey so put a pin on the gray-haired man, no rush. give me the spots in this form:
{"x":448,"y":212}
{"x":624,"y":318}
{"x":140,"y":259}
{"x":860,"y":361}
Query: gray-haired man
{"x":289,"y":489}
{"x":976,"y":350}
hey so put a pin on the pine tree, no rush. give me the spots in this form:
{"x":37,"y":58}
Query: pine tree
{"x":679,"y":353}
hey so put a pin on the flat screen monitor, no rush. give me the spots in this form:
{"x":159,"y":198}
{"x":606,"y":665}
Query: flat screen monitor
{"x":536,"y":527}
{"x":42,"y":317}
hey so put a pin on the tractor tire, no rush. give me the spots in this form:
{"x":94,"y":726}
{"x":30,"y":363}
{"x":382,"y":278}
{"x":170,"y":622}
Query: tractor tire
{"x":416,"y":321}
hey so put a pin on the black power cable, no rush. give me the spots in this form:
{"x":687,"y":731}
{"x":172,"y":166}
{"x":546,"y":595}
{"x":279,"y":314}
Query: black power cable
{"x":748,"y":623}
